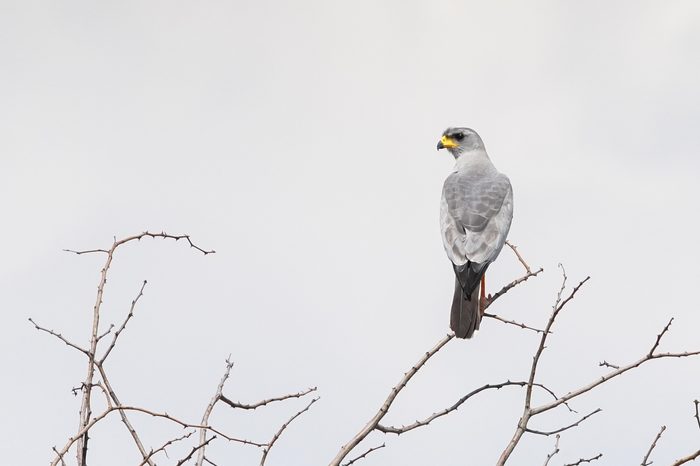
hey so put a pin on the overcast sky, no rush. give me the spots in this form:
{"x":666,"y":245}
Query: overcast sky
{"x":297,"y":139}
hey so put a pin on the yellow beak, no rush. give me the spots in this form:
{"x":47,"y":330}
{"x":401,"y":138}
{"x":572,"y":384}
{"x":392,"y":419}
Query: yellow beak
{"x":446,"y":143}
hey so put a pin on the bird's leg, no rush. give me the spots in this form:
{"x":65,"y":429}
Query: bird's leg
{"x":482,"y":295}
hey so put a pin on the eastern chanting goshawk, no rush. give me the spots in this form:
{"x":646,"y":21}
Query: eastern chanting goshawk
{"x":475,"y":214}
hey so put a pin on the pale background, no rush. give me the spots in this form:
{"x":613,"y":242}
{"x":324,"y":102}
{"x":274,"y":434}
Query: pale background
{"x":298,"y":140}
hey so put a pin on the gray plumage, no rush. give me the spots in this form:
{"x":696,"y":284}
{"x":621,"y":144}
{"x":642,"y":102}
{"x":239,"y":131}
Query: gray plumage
{"x":475,"y":215}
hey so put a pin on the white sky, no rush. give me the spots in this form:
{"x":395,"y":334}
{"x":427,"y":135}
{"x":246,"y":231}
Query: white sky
{"x":298,"y":140}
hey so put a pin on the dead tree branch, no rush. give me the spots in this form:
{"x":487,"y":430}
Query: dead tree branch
{"x":96,"y":336}
{"x":645,"y":460}
{"x":277,"y":435}
{"x":357,"y":458}
{"x":374,"y":422}
{"x":166,"y":416}
{"x":554,"y":452}
{"x":59,"y":336}
{"x":199,"y":447}
{"x":585,"y":460}
{"x":529,"y":411}
{"x":235,"y":404}
{"x":162,"y":448}
{"x":207,"y":412}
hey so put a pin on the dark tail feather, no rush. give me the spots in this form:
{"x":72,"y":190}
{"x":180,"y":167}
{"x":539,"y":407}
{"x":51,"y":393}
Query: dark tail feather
{"x":465,"y":316}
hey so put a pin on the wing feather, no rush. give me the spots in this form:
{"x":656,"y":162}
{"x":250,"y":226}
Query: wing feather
{"x":475,"y":214}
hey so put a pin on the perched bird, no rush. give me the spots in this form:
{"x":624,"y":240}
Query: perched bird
{"x":475,"y":215}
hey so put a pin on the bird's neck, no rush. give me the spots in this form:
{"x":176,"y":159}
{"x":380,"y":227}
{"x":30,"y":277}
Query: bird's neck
{"x":476,"y":159}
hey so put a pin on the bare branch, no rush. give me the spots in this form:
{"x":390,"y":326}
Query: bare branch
{"x":152,"y":453}
{"x":258,"y":404}
{"x":510,"y":285}
{"x":60,"y":456}
{"x":528,"y":412}
{"x":59,"y":336}
{"x":107,"y":411}
{"x":607,"y":364}
{"x":87,"y":251}
{"x":605,"y":378}
{"x":106,"y":332}
{"x":85,"y":407}
{"x":557,"y":431}
{"x":277,"y":435}
{"x":454,"y":407}
{"x":199,"y":448}
{"x":123,"y":326}
{"x":207,"y":412}
{"x":687,"y":459}
{"x":520,"y":258}
{"x":659,"y":336}
{"x":512,"y":322}
{"x":364,"y":454}
{"x":372,"y":424}
{"x":585,"y":460}
{"x":692,"y":456}
{"x":122,"y":414}
{"x":645,"y":460}
{"x":554,"y":452}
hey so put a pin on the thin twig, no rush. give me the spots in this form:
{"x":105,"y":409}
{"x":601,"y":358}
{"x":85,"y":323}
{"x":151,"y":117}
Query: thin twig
{"x":59,"y":336}
{"x":454,"y":407}
{"x":199,"y":447}
{"x":585,"y":460}
{"x":557,"y":431}
{"x":687,"y":459}
{"x":85,"y":407}
{"x":528,"y":412}
{"x":554,"y":452}
{"x":659,"y":336}
{"x":697,"y":415}
{"x":163,"y":447}
{"x":372,"y":424}
{"x":277,"y":435}
{"x":235,"y":404}
{"x":645,"y":460}
{"x":106,"y":332}
{"x":514,"y":283}
{"x":184,"y":424}
{"x":517,"y":254}
{"x":607,"y":364}
{"x":122,"y":414}
{"x":357,"y":458}
{"x":123,"y":326}
{"x":207,"y":412}
{"x":512,"y":322}
{"x":63,"y":463}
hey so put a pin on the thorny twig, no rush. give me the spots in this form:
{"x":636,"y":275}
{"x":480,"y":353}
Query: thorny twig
{"x":207,"y":412}
{"x":373,"y":423}
{"x":235,"y":404}
{"x":277,"y":435}
{"x":645,"y":460}
{"x":585,"y":460}
{"x":554,"y":452}
{"x":357,"y":458}
{"x":164,"y":446}
{"x":199,"y":447}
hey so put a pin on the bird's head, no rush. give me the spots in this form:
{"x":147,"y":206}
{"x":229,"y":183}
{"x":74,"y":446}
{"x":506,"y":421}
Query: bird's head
{"x":460,"y":140}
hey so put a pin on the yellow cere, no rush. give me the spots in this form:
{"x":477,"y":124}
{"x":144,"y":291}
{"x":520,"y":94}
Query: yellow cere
{"x":448,"y":142}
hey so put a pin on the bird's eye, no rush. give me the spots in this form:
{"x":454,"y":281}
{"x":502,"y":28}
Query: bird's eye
{"x":458,"y":136}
